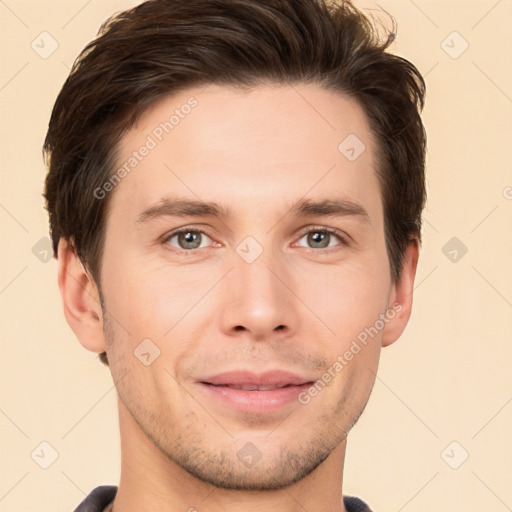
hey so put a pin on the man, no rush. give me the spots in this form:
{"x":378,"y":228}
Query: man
{"x":235,"y":191}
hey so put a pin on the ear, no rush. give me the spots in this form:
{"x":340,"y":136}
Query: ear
{"x":80,"y":298}
{"x":400,"y":298}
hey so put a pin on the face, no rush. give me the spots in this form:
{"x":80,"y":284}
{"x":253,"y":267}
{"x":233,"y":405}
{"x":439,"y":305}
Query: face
{"x":285,"y":271}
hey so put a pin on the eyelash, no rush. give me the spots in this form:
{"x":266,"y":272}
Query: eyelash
{"x":341,"y":236}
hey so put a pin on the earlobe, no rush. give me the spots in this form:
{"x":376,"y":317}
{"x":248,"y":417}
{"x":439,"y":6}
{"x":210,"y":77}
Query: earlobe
{"x":400,"y":303}
{"x":80,"y":299}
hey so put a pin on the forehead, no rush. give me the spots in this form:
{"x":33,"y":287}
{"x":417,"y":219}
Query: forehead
{"x":245,"y":148}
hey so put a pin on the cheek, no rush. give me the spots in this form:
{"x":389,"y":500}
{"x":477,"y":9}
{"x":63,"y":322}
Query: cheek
{"x":148,"y":301}
{"x":346,"y":297}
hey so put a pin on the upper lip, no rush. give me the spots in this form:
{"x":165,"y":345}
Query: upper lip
{"x":246,"y":378}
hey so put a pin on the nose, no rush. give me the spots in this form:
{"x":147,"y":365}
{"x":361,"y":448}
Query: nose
{"x":258,"y":301}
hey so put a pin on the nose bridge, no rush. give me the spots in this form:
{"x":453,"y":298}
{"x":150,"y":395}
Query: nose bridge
{"x":257,"y":298}
{"x":255,"y":272}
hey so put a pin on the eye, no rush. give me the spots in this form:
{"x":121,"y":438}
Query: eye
{"x":321,"y":238}
{"x":317,"y":238}
{"x":187,"y":239}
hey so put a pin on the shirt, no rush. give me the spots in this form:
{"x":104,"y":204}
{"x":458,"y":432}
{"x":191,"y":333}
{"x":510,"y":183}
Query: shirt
{"x":102,"y":496}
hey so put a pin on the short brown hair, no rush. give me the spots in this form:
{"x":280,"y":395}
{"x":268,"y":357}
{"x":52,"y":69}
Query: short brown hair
{"x":164,"y":46}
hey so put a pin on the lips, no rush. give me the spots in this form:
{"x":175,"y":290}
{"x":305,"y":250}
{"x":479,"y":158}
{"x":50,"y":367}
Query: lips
{"x":254,"y":398}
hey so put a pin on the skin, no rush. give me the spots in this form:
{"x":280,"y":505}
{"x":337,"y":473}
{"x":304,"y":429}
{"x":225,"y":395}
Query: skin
{"x":208,"y":310}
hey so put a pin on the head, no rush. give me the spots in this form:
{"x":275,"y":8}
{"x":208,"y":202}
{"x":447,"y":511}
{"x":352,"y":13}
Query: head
{"x":251,"y":106}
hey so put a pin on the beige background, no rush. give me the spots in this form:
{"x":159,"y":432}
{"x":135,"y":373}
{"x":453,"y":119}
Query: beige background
{"x":447,"y":379}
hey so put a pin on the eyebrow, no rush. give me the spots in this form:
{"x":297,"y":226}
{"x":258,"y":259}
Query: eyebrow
{"x":177,"y":207}
{"x":180,"y":207}
{"x":329,"y":207}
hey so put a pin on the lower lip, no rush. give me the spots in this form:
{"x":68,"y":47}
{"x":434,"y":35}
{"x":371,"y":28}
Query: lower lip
{"x":256,"y":401}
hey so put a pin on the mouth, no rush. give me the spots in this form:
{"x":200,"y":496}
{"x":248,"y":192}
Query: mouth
{"x":251,"y":381}
{"x":255,"y":387}
{"x":258,"y":393}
